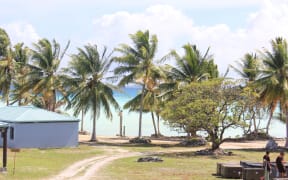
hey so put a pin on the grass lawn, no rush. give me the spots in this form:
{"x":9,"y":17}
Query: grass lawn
{"x":176,"y":166}
{"x":41,"y":163}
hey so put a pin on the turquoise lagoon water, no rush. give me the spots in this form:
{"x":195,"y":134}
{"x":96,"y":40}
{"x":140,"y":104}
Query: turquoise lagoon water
{"x":106,"y":127}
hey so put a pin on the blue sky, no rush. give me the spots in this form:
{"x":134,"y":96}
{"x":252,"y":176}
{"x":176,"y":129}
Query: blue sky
{"x":230,"y":27}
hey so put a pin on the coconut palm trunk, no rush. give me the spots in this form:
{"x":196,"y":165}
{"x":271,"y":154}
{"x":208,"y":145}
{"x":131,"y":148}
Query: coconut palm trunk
{"x":82,"y":121}
{"x":158,"y":124}
{"x":154,"y":124}
{"x":93,"y":136}
{"x":141,"y":111}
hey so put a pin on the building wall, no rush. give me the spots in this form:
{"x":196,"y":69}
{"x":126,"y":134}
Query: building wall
{"x":43,"y":135}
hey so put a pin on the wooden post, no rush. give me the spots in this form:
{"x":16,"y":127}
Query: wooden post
{"x":121,"y":122}
{"x":4,"y":136}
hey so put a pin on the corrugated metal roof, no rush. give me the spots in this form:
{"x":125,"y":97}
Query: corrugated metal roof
{"x":23,"y":114}
{"x":2,"y":124}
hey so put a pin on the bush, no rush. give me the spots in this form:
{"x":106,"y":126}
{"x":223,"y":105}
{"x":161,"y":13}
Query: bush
{"x":140,"y":141}
{"x":194,"y":142}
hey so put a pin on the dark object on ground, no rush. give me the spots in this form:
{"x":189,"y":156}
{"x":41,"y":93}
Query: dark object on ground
{"x":271,"y":145}
{"x":219,"y":166}
{"x":150,"y":159}
{"x":157,"y":135}
{"x":252,"y":173}
{"x":248,"y":164}
{"x":217,"y":152}
{"x":194,"y":142}
{"x":231,"y":171}
{"x":138,"y":140}
{"x":257,"y":136}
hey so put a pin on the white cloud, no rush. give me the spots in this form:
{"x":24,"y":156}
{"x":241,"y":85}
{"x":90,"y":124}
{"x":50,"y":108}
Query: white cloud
{"x":21,"y":32}
{"x":174,"y":29}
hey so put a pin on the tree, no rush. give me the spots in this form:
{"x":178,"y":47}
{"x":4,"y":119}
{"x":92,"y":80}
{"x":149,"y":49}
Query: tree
{"x":192,"y":66}
{"x":21,"y":56}
{"x":44,"y":82}
{"x":136,"y":64}
{"x":87,"y":84}
{"x":6,"y":66}
{"x":210,"y":106}
{"x":273,"y":82}
{"x":248,"y":69}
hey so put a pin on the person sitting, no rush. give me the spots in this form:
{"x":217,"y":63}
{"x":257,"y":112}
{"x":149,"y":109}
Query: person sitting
{"x":280,"y":165}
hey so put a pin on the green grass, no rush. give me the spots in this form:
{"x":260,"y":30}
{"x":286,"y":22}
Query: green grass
{"x":41,"y":163}
{"x":176,"y":166}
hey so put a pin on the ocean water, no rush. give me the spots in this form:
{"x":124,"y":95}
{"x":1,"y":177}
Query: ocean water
{"x":107,"y":127}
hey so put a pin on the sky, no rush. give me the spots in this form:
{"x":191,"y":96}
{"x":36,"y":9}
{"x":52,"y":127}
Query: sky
{"x":230,"y":28}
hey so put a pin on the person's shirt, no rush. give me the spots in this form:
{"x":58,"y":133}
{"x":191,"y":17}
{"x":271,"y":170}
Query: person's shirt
{"x":266,"y":158}
{"x":279,"y":161}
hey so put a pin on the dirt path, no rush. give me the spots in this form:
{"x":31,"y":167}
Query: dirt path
{"x":88,"y":168}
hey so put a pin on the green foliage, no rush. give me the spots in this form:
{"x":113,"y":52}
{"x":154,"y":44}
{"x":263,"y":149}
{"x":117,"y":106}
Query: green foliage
{"x":85,"y":81}
{"x":4,"y":43}
{"x":211,"y":106}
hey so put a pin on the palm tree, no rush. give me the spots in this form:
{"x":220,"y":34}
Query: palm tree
{"x":43,"y":80}
{"x":87,"y":84}
{"x":273,"y":82}
{"x":6,"y":65}
{"x":192,"y":66}
{"x":248,"y":69}
{"x":136,"y":64}
{"x":21,"y":67}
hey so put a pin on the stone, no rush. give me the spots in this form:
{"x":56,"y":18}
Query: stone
{"x":138,"y":140}
{"x":149,"y":159}
{"x":271,"y":145}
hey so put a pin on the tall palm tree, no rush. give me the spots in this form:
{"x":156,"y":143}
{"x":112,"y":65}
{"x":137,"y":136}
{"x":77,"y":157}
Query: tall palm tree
{"x":87,"y":83}
{"x":44,"y":79}
{"x":192,"y":66}
{"x":21,"y":67}
{"x":6,"y":66}
{"x":273,"y":82}
{"x":137,"y":64}
{"x":248,"y":67}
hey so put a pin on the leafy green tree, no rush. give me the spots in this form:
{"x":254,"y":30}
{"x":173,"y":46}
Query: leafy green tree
{"x":210,"y":106}
{"x":273,"y":82}
{"x":136,"y":64}
{"x":87,"y":85}
{"x":44,"y":82}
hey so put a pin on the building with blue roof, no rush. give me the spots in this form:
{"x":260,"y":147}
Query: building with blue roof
{"x":31,"y":127}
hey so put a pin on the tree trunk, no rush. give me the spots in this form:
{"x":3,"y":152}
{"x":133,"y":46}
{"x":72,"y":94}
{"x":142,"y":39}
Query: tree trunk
{"x":158,"y":124}
{"x":154,"y":124}
{"x":140,"y":113}
{"x":286,"y":143}
{"x":255,"y":124}
{"x":82,"y":121}
{"x":268,"y":123}
{"x":93,"y":136}
{"x":121,"y":123}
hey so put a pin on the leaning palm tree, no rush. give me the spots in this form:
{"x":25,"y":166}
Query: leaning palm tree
{"x":86,"y":81}
{"x":136,"y":65}
{"x":273,"y":82}
{"x":43,"y":79}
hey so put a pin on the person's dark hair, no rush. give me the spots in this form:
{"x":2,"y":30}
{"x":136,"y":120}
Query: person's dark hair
{"x":267,"y":152}
{"x":282,"y":153}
